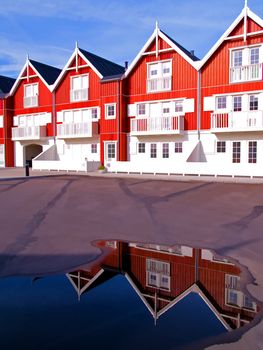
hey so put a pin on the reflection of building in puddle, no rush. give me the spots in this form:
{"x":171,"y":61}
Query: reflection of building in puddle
{"x":162,"y":276}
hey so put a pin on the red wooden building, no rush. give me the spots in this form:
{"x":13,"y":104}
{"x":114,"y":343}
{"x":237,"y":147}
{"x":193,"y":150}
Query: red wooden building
{"x":33,"y":111}
{"x":6,"y":144}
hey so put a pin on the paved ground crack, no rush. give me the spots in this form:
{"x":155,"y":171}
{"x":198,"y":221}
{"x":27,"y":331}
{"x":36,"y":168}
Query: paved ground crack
{"x":27,"y":237}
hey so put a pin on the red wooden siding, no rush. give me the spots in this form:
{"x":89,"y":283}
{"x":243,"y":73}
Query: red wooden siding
{"x":215,"y":73}
{"x":184,"y":81}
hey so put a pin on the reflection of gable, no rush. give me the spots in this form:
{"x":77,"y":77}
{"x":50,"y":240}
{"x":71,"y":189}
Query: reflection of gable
{"x":82,"y":283}
{"x":154,"y":299}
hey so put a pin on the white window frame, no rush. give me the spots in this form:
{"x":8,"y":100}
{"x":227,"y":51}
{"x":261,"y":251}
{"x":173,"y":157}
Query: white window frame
{"x":32,"y":104}
{"x":160,"y":75}
{"x":107,"y":105}
{"x":83,"y":98}
{"x":158,"y":269}
{"x":106,"y":143}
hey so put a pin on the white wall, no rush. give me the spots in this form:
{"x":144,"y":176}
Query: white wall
{"x":20,"y":151}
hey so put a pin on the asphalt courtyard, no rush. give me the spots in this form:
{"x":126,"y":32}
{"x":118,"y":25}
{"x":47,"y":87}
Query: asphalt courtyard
{"x":49,"y":222}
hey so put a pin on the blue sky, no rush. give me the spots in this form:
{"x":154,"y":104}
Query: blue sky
{"x":114,"y":29}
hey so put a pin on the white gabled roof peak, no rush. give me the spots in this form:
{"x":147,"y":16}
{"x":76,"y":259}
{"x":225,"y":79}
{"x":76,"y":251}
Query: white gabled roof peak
{"x":245,"y":13}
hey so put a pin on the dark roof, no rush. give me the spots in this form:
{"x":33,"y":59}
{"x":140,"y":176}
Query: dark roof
{"x":188,"y":53}
{"x":48,"y":73}
{"x":105,"y":67}
{"x":6,"y":84}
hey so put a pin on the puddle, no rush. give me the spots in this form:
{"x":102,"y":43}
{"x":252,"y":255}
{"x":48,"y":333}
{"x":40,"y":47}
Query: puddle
{"x":135,"y":296}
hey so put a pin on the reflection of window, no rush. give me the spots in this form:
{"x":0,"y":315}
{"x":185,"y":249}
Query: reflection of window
{"x":158,"y":274}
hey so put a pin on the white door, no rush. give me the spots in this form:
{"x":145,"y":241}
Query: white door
{"x":110,"y":151}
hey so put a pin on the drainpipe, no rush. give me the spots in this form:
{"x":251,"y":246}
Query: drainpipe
{"x":5,"y":129}
{"x":54,"y":116}
{"x":118,"y":122}
{"x":198,"y":103}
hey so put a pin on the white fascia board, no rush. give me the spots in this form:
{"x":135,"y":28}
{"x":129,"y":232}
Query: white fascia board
{"x":75,"y":52}
{"x":177,"y":49}
{"x":18,"y":79}
{"x":245,"y":11}
{"x":64,"y":70}
{"x":91,"y":65}
{"x":136,"y":59}
{"x":40,"y":76}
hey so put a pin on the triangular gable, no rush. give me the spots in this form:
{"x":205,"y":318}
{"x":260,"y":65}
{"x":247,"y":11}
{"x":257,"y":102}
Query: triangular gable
{"x":231,"y":32}
{"x":157,"y":33}
{"x":28,"y":70}
{"x":77,"y":53}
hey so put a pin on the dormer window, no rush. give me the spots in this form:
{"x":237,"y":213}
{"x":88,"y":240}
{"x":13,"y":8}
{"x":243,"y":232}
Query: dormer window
{"x":159,"y":76}
{"x":246,"y":64}
{"x":31,"y":95}
{"x":79,"y":88}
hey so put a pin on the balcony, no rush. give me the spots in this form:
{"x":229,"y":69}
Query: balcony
{"x":246,"y":73}
{"x":159,"y":84}
{"x":79,"y":95}
{"x":157,"y":125}
{"x":31,"y":101}
{"x":237,"y":121}
{"x":28,"y":133}
{"x":76,"y":130}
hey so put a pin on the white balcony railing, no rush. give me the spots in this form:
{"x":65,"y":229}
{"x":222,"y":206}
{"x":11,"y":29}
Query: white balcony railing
{"x":31,"y":101}
{"x":74,"y":130}
{"x":157,"y":125}
{"x":159,"y":84}
{"x":246,"y":73}
{"x":79,"y":95}
{"x":28,"y":133}
{"x":237,"y":121}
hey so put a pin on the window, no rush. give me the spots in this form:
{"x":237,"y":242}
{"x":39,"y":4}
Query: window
{"x":79,"y":88}
{"x":221,"y":146}
{"x":94,"y":113}
{"x":237,"y":103}
{"x":221,"y":102}
{"x":236,"y":152}
{"x":110,"y":111}
{"x":237,"y":58}
{"x":94,"y":148}
{"x":165,"y":150}
{"x":159,"y":76}
{"x":153,"y":150}
{"x":252,"y":151}
{"x":254,"y":55}
{"x":110,"y":151}
{"x":158,"y":274}
{"x":178,"y":147}
{"x":141,"y":147}
{"x":178,"y":106}
{"x":141,"y":109}
{"x":253,"y":103}
{"x":232,"y":281}
{"x":31,"y":95}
